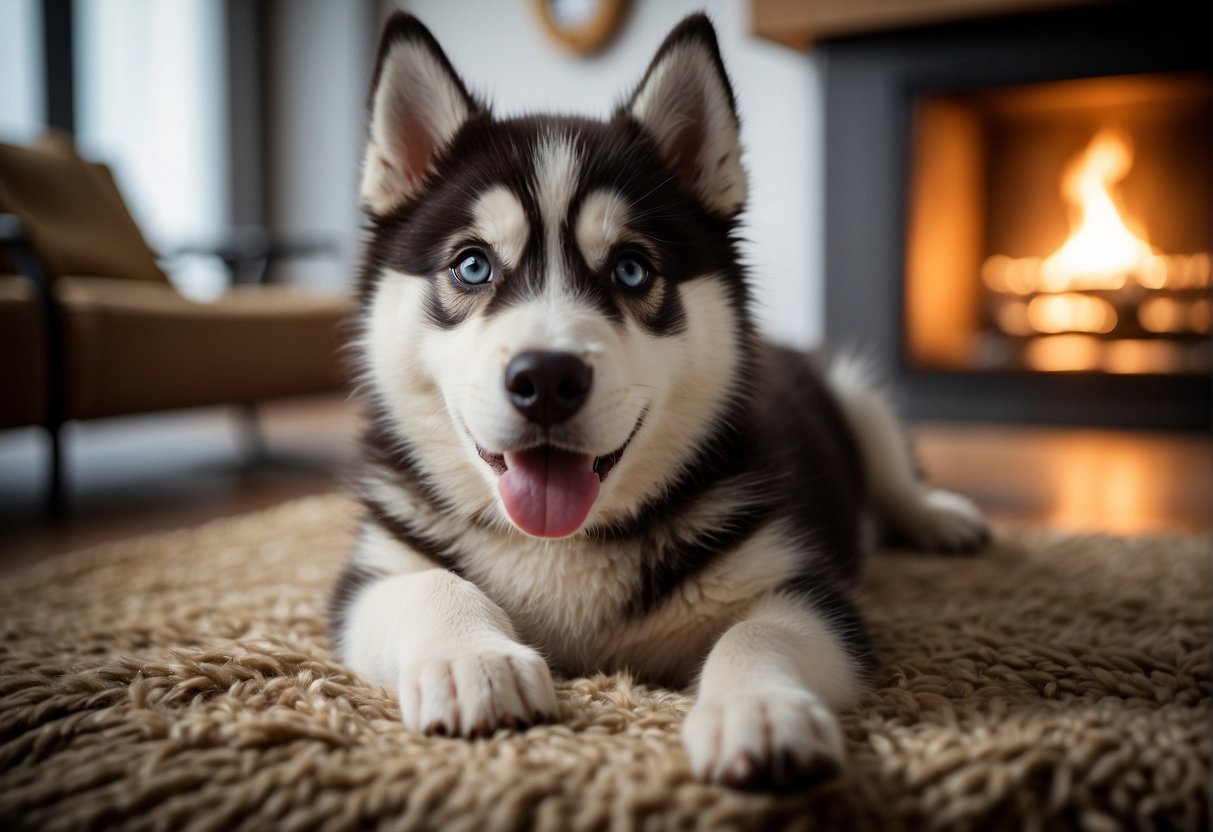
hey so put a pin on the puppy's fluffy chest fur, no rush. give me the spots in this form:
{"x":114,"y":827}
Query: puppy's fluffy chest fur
{"x":585,"y":619}
{"x":649,"y":597}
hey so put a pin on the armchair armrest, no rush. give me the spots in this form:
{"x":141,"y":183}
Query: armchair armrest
{"x":15,"y":243}
{"x":12,"y":231}
{"x":249,"y":252}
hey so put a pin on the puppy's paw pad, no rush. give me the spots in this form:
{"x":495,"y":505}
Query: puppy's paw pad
{"x":944,"y":521}
{"x":474,"y":693}
{"x":771,"y":739}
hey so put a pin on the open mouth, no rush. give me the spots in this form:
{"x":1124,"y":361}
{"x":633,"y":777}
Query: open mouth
{"x":548,"y":491}
{"x":601,"y":466}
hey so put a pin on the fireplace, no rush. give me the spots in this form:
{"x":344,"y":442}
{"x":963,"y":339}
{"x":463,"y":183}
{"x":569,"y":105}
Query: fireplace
{"x":1018,"y":214}
{"x":1061,"y":227}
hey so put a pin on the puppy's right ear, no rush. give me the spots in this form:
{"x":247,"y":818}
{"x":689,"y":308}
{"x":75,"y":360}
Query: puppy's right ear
{"x":417,"y":105}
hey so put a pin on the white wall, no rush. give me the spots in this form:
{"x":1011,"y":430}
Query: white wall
{"x":321,"y":53}
{"x":501,"y":51}
{"x":21,"y":104}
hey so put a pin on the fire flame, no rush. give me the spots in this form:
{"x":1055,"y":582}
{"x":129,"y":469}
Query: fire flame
{"x":1076,"y":307}
{"x":1101,"y":251}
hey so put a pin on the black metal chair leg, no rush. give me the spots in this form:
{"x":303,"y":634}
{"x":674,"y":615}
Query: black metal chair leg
{"x":56,"y":491}
{"x":253,"y":438}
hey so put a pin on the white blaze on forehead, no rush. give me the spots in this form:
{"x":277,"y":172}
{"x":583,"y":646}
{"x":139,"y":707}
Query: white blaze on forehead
{"x":600,"y":225}
{"x":555,"y":180}
{"x":500,"y":221}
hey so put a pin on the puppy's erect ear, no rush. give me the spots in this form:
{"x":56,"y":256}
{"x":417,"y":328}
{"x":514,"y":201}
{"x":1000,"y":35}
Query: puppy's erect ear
{"x":417,"y":106}
{"x":686,"y":103}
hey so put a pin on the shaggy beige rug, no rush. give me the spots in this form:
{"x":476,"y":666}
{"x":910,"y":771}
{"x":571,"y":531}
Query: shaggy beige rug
{"x":184,"y":682}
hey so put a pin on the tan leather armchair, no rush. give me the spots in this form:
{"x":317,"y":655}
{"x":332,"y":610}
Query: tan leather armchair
{"x":22,"y":347}
{"x":91,"y":327}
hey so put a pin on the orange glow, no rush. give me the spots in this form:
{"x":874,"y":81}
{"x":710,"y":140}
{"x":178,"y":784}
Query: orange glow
{"x":1199,"y":314}
{"x":1165,"y":314}
{"x":1063,"y":353}
{"x":1071,"y":312}
{"x":1012,"y":318}
{"x":1109,"y":487}
{"x":1194,"y":271}
{"x":1134,"y":355}
{"x":1101,"y":251}
{"x":1162,"y":314}
{"x":1157,"y":273}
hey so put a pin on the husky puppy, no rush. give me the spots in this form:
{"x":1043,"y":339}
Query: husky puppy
{"x":581,"y":456}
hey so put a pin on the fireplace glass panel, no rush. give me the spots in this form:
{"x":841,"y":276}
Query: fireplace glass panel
{"x":1061,"y":227}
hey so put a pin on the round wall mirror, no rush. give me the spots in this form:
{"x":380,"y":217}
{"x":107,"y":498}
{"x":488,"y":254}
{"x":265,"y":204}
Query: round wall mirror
{"x":582,"y":26}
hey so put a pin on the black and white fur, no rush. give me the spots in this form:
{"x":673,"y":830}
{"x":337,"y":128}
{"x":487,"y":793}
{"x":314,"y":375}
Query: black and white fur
{"x":724,"y":546}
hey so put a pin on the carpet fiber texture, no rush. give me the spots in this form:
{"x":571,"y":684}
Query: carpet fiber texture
{"x":185,"y":682}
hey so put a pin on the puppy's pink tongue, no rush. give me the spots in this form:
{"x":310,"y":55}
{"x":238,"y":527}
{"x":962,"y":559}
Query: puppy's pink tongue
{"x":547,"y":492}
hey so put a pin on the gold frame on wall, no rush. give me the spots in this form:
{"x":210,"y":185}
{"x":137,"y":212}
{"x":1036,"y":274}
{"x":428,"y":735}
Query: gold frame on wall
{"x":592,"y":36}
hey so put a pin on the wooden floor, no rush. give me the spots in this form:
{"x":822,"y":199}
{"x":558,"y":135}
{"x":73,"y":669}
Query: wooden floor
{"x":144,"y":474}
{"x":1081,"y":479}
{"x":137,"y":475}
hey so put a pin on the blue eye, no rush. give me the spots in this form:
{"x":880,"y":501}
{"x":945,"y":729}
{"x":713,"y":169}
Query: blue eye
{"x":630,"y":272}
{"x":472,"y":267}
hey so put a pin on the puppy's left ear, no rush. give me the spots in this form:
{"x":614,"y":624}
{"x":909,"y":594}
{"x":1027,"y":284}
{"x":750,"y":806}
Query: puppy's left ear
{"x":686,"y":103}
{"x":417,"y":106}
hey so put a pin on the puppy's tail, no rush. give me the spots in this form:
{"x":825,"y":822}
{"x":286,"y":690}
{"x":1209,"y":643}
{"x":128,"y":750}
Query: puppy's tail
{"x":906,"y":506}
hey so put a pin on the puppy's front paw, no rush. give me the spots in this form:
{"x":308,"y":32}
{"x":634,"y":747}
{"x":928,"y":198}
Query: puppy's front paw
{"x":475,"y":692}
{"x":943,"y":520}
{"x":755,"y":739}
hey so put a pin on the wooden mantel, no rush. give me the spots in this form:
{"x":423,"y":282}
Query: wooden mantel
{"x":798,"y":23}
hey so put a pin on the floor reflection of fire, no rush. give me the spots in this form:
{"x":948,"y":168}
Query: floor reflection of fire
{"x":1105,"y":300}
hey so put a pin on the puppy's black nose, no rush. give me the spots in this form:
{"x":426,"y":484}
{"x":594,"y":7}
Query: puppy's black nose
{"x":547,"y":387}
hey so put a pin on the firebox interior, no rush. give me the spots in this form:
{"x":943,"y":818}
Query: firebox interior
{"x":1061,"y":226}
